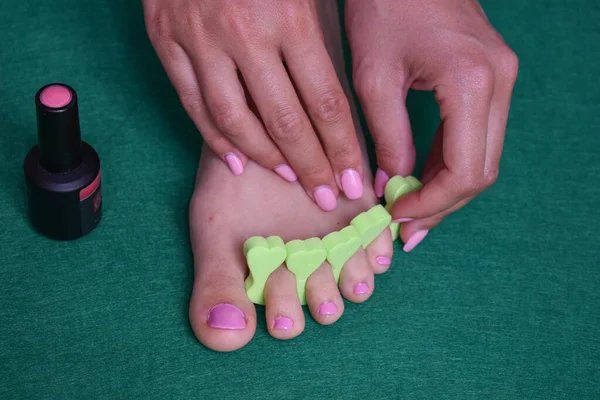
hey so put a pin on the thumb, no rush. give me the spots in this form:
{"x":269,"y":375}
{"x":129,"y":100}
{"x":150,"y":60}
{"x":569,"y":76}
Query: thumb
{"x":384,"y":106}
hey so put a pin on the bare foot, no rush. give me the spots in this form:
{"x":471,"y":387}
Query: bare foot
{"x":225,"y":210}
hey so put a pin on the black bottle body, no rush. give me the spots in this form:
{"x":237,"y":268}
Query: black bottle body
{"x":64,"y":205}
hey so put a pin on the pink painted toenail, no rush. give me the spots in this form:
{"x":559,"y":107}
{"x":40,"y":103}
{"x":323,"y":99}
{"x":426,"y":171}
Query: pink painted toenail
{"x":361,"y":288}
{"x":283,"y":323}
{"x":286,"y":172}
{"x":352,"y":184}
{"x":415,"y":239}
{"x":325,"y":198}
{"x":234,"y":163}
{"x":226,"y":316}
{"x":328,"y":308}
{"x":381,"y":179}
{"x":383,"y":260}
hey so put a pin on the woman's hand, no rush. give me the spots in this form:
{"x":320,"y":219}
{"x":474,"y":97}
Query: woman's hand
{"x":256,"y":79}
{"x":445,"y":46}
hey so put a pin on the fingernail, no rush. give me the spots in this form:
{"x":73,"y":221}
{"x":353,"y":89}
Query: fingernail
{"x":283,"y":323}
{"x":361,"y":288}
{"x":383,"y":260}
{"x":226,"y":316}
{"x":327,"y":308}
{"x":286,"y":172}
{"x":351,"y":184}
{"x":415,"y":239}
{"x":235,"y":164}
{"x":325,"y":198}
{"x":401,"y":220}
{"x":381,"y":179}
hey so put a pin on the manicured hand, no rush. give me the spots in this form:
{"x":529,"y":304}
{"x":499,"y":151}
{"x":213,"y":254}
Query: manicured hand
{"x":445,"y":46}
{"x":256,"y":79}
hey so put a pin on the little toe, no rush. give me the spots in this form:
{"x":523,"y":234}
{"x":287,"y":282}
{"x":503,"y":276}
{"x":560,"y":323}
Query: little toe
{"x":356,"y":280}
{"x":380,"y":251}
{"x":221,"y":315}
{"x":323,"y":297}
{"x":285,"y":318}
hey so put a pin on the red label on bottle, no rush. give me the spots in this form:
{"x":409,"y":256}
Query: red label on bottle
{"x":90,"y":204}
{"x":89,"y":189}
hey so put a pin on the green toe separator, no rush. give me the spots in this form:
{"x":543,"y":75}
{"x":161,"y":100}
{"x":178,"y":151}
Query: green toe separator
{"x":340,"y":247}
{"x":303,"y":258}
{"x":395,"y":188}
{"x":263,"y":255}
{"x":371,"y":223}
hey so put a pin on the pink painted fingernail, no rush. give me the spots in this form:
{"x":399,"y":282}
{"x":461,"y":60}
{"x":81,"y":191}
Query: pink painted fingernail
{"x":286,"y":172}
{"x":235,"y":164}
{"x":226,"y":316}
{"x":351,"y":184}
{"x":328,"y":308}
{"x":361,"y":288}
{"x":325,"y":198}
{"x":381,"y":179}
{"x":283,"y":323}
{"x":383,"y":260}
{"x":415,"y":239}
{"x":401,"y":220}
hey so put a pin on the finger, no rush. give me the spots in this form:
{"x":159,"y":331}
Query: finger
{"x":506,"y":76}
{"x":382,"y":94}
{"x":287,"y":123}
{"x":435,"y":160}
{"x":181,"y":73}
{"x":226,"y":102}
{"x":464,"y":100}
{"x":315,"y":78}
{"x":414,"y":232}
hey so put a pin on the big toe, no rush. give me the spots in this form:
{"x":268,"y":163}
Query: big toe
{"x":221,"y":315}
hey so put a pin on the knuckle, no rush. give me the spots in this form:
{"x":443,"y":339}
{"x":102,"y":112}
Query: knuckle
{"x":295,"y":17}
{"x":227,"y":118}
{"x":387,"y":153}
{"x":490,"y":177}
{"x":159,"y":27}
{"x":236,"y":22}
{"x":508,"y":65}
{"x":191,"y":101}
{"x":476,"y":74}
{"x":472,"y":183}
{"x":331,"y":107}
{"x":344,"y":154}
{"x":314,"y":172}
{"x":372,"y":82}
{"x":367,"y":82}
{"x":287,"y":126}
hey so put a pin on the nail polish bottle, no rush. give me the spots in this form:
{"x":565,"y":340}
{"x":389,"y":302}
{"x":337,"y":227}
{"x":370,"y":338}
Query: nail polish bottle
{"x":62,"y":172}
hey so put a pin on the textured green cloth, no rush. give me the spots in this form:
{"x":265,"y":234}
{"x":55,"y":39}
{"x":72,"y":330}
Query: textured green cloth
{"x":501,"y":301}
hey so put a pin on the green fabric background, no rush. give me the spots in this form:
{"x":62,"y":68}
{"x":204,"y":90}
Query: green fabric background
{"x":501,"y":301}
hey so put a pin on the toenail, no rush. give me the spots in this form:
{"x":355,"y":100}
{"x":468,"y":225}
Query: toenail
{"x":381,"y":178}
{"x":415,"y":239}
{"x":283,"y":323}
{"x":286,"y":172}
{"x":325,"y":198}
{"x":234,"y":163}
{"x":328,"y":308}
{"x":383,"y":260}
{"x":226,"y":316}
{"x":361,"y":288}
{"x":351,"y":184}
